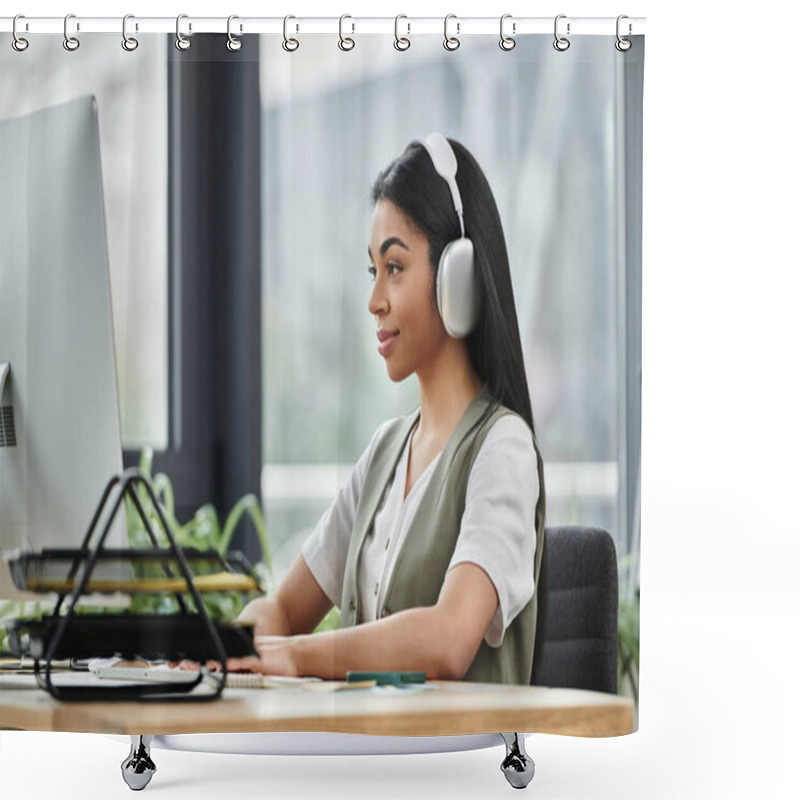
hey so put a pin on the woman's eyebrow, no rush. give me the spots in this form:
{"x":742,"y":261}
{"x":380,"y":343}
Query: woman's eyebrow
{"x":387,"y":244}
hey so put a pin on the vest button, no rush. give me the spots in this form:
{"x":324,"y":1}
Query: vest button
{"x":352,"y":605}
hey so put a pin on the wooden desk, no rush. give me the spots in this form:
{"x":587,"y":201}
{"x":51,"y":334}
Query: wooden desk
{"x":450,"y":708}
{"x":440,"y":709}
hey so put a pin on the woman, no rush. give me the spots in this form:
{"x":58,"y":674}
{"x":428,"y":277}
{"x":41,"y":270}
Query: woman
{"x":432,"y":548}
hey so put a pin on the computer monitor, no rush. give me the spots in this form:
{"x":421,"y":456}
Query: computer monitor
{"x":59,"y":417}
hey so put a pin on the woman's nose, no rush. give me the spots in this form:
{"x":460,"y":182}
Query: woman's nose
{"x":377,"y":299}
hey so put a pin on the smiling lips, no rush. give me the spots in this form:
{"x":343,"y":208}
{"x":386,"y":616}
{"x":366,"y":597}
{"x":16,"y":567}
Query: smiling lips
{"x":387,"y":340}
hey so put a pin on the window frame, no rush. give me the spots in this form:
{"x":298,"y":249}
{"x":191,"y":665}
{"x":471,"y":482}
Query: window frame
{"x":214,"y":281}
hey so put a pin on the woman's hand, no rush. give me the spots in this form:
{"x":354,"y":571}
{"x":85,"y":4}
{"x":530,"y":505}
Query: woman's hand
{"x":276,"y":656}
{"x":187,"y":664}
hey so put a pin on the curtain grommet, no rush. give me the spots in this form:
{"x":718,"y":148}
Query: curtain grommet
{"x":18,"y":42}
{"x":561,"y":43}
{"x":289,"y":44}
{"x":233,"y":44}
{"x":129,"y":43}
{"x":181,"y":42}
{"x":451,"y":43}
{"x":346,"y":43}
{"x":71,"y":43}
{"x":507,"y":42}
{"x":401,"y":43}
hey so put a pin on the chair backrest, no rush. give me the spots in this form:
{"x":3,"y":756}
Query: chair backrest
{"x":576,"y":636}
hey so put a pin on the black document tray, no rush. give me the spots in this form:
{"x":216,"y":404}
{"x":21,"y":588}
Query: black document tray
{"x":189,"y":634}
{"x":149,"y":636}
{"x":131,"y":571}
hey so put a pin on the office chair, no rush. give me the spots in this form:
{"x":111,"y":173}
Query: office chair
{"x":576,"y":629}
{"x":576,"y":633}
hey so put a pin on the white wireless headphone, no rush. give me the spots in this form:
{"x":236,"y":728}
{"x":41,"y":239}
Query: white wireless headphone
{"x":457,"y":296}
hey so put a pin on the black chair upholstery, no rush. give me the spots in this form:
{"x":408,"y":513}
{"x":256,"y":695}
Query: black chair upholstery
{"x":576,"y":635}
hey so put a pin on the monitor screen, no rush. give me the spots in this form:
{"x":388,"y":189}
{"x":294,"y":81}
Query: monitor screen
{"x":60,"y":430}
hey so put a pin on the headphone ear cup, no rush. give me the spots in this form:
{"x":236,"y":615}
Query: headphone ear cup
{"x":457,"y":296}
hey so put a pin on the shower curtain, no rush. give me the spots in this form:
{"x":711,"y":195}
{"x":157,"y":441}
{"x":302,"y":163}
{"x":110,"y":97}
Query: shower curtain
{"x":236,"y":176}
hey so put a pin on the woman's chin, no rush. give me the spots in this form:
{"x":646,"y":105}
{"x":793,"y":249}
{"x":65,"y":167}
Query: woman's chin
{"x":396,"y":374}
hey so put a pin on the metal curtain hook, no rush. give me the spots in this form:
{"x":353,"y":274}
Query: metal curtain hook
{"x":623,"y":45}
{"x":18,"y":43}
{"x":181,"y":42}
{"x":128,"y":42}
{"x":561,"y":43}
{"x":70,"y":42}
{"x":451,"y":42}
{"x":233,"y":44}
{"x":345,"y":42}
{"x":506,"y":42}
{"x":289,"y":44}
{"x":401,"y":42}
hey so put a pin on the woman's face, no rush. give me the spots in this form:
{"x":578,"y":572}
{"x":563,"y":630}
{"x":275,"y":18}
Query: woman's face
{"x":410,"y":330}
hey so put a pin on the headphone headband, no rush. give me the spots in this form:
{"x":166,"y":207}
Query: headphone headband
{"x":444,"y":162}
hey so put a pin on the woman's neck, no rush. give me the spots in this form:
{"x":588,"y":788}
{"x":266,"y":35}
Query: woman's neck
{"x":445,"y":392}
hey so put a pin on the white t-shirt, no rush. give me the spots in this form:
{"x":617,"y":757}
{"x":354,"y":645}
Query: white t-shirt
{"x":498,"y":530}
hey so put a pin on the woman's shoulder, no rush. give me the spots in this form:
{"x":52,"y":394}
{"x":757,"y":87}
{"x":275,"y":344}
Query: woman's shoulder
{"x":508,"y":445}
{"x":506,"y":467}
{"x":508,"y":426}
{"x":394,"y":425}
{"x":389,"y":429}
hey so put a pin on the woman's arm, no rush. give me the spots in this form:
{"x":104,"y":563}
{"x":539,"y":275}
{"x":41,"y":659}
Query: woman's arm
{"x":442,"y":640}
{"x":297,"y":606}
{"x":300,"y":602}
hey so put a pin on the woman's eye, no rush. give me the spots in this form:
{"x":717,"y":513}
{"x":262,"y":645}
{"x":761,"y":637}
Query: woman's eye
{"x":391,"y":269}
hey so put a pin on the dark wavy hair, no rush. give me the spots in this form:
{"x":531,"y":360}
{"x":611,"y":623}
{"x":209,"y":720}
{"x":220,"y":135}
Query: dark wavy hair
{"x":414,"y":186}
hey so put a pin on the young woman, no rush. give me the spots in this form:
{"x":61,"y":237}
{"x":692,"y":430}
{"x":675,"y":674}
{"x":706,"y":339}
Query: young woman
{"x":432,"y":548}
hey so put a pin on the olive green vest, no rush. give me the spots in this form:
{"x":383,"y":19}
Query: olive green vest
{"x":422,"y":562}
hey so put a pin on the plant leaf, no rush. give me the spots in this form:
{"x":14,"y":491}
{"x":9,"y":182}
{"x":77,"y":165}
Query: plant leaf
{"x":249,"y":503}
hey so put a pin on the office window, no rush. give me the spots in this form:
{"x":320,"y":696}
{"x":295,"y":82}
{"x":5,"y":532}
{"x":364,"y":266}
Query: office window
{"x":555,"y":167}
{"x":132,"y":111}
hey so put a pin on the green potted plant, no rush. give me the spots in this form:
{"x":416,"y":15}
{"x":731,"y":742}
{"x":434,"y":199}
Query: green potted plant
{"x":628,"y":627}
{"x":202,"y":532}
